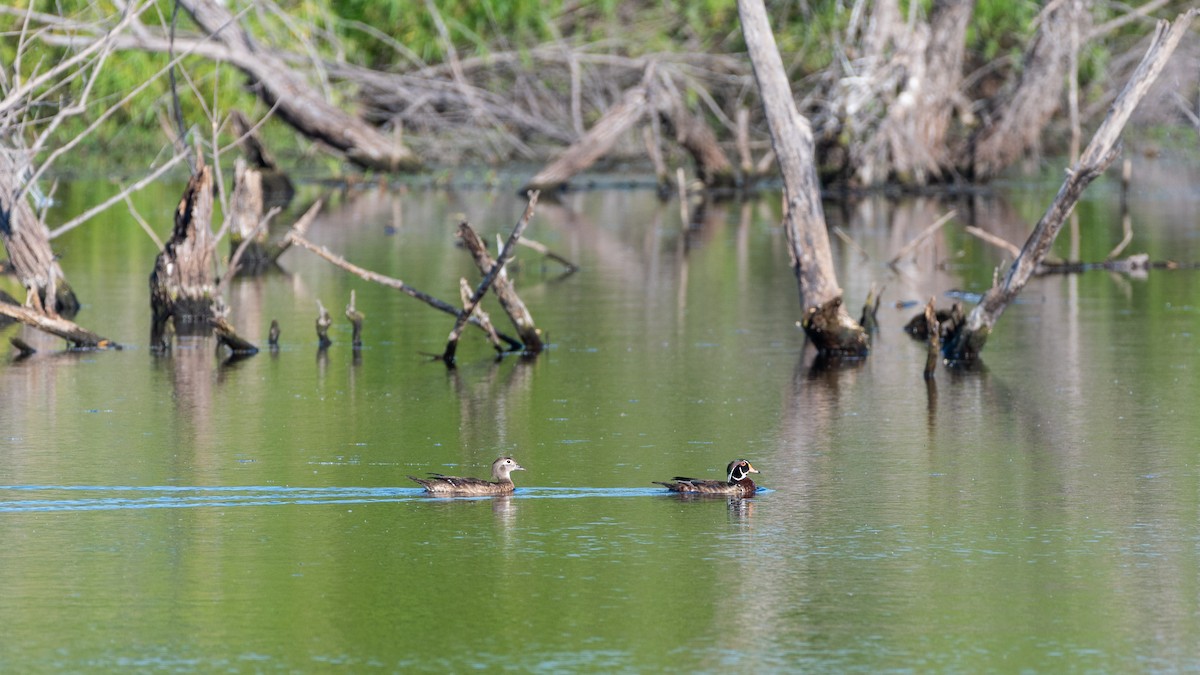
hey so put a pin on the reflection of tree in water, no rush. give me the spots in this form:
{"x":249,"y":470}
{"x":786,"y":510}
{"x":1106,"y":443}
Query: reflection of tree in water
{"x":492,"y":399}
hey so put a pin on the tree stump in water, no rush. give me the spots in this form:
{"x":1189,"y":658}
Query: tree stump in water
{"x":183,"y":284}
{"x":825,"y":321}
{"x":833,"y":331}
{"x":246,"y":221}
{"x":27,"y":240}
{"x":323,"y":323}
{"x":356,"y":319}
{"x":277,"y":188}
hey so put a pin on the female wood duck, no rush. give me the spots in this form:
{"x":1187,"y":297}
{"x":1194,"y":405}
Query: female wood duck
{"x":441,"y":484}
{"x":738,"y":485}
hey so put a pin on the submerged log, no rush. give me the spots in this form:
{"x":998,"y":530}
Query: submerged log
{"x":967,"y":342}
{"x":183,"y":284}
{"x":826,"y":321}
{"x":27,"y":239}
{"x":228,"y":337}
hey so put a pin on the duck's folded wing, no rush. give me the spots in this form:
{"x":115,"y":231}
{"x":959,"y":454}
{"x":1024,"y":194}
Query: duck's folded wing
{"x":463,"y":482}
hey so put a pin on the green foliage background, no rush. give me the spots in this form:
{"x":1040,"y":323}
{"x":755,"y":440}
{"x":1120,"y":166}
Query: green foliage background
{"x":403,"y":35}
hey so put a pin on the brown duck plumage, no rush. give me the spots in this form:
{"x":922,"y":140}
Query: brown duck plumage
{"x":738,"y":484}
{"x":441,"y":484}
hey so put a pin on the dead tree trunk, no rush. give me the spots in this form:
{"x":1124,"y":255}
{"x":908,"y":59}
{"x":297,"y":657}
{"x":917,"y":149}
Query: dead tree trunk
{"x":27,"y":240}
{"x":826,"y":321}
{"x":966,"y":343}
{"x":276,"y":186}
{"x":183,"y":284}
{"x":246,"y":227}
{"x":893,"y":107}
{"x":1014,"y":129}
{"x":296,"y":102}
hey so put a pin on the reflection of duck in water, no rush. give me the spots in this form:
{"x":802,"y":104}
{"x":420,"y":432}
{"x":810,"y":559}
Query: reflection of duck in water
{"x":739,"y":483}
{"x":441,"y":484}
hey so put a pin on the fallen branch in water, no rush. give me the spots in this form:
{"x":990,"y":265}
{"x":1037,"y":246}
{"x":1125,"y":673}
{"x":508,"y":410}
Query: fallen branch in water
{"x":297,"y":239}
{"x":992,"y":239}
{"x":493,"y":273}
{"x":925,"y":234}
{"x":967,"y":342}
{"x":227,"y":335}
{"x":545,"y":251}
{"x":79,"y":337}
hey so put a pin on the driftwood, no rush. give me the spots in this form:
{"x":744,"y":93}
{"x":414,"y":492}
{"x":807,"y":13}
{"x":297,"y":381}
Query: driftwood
{"x":870,"y":311}
{"x":967,"y":342}
{"x":297,"y":103}
{"x":655,"y":97}
{"x":27,"y":239}
{"x":298,"y":239}
{"x":80,"y":338}
{"x":494,"y":275}
{"x":825,"y":321}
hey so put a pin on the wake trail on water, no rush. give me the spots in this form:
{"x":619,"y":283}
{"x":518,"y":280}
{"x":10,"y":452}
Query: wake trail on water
{"x":26,"y":498}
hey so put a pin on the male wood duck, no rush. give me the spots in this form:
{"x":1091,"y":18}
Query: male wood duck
{"x":441,"y":484}
{"x":738,"y":485}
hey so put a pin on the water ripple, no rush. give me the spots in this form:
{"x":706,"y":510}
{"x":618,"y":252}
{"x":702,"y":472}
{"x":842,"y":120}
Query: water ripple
{"x":111,"y":497}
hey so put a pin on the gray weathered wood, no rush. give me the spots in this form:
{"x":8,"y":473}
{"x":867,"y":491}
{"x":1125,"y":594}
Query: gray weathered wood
{"x":1104,"y":147}
{"x":804,"y":217}
{"x":295,"y":99}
